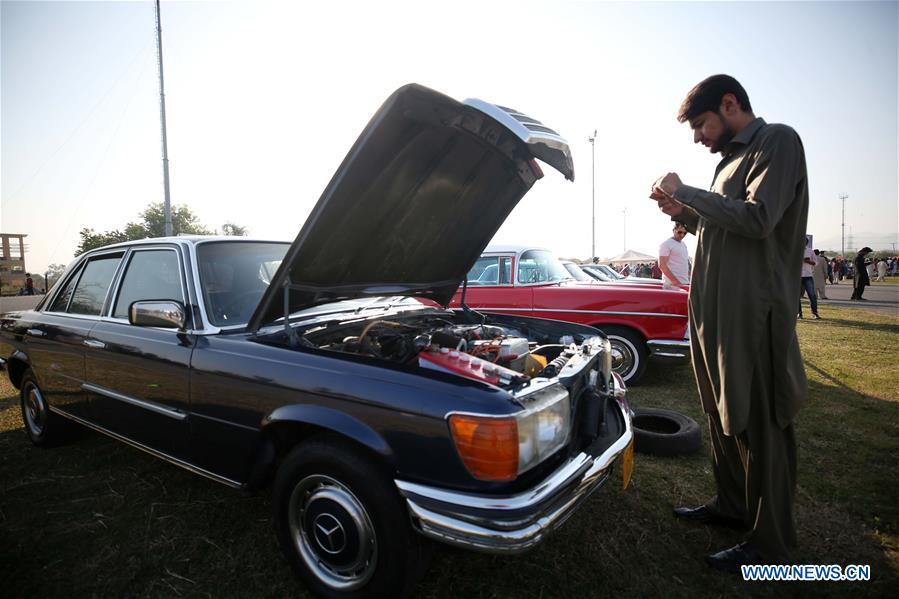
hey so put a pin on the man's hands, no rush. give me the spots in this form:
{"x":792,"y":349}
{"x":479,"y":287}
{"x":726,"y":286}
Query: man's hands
{"x":663,"y":193}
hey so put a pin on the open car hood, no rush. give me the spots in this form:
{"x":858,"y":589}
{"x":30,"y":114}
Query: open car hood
{"x":417,"y":198}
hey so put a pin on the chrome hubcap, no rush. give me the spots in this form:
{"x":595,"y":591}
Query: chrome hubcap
{"x":35,"y":409}
{"x":623,"y":357}
{"x":332,"y":532}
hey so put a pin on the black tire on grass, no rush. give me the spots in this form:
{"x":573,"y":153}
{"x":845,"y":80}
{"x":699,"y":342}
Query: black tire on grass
{"x":665,"y":432}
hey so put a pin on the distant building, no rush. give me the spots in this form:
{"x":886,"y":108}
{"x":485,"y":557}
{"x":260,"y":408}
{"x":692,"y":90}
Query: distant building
{"x":12,"y":259}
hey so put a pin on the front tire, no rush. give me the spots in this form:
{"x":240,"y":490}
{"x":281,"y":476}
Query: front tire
{"x":629,"y":353}
{"x":342,"y":525}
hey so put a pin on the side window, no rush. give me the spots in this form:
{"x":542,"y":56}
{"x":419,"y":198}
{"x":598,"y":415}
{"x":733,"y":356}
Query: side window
{"x":90,"y":292}
{"x":62,"y":300}
{"x":484,"y":272}
{"x":150,"y":275}
{"x":490,"y":270}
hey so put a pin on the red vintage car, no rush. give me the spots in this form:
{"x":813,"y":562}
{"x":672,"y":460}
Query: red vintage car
{"x":642,"y":322}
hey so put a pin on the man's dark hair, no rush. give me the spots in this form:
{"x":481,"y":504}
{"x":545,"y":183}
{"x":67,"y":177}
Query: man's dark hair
{"x":707,"y":95}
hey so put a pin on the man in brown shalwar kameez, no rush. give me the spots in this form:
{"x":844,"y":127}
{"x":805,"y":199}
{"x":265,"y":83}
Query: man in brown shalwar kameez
{"x":750,"y":227}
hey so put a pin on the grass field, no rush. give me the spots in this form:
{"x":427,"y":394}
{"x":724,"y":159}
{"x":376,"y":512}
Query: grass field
{"x":99,"y":519}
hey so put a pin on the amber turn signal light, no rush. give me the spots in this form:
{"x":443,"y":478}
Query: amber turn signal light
{"x":487,"y":446}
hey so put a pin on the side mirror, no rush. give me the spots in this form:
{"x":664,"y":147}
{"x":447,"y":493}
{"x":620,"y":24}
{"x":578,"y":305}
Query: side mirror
{"x":157,"y":313}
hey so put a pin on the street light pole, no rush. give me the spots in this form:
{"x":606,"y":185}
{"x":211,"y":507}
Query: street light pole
{"x":624,"y":227}
{"x":165,"y":147}
{"x":593,"y":196}
{"x":843,"y":197}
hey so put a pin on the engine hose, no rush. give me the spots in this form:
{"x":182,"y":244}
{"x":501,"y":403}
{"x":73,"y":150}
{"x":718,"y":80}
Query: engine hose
{"x":553,"y":368}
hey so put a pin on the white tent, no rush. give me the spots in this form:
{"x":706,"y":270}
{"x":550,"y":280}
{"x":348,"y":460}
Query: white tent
{"x":631,"y":257}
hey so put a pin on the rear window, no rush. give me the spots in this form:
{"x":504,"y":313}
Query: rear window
{"x":91,"y":289}
{"x":62,"y":300}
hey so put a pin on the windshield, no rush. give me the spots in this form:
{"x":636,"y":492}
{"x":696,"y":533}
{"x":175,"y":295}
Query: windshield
{"x":597,"y":273}
{"x":540,"y":266}
{"x":610,"y":272}
{"x":234,"y":275}
{"x":575,"y":271}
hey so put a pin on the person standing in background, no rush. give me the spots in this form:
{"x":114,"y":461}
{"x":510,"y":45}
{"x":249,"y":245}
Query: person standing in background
{"x":820,"y":274}
{"x":881,"y":270}
{"x":674,"y":259}
{"x":861,"y":280}
{"x":807,"y":283}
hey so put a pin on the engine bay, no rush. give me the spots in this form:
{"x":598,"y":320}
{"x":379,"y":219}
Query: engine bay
{"x":499,"y":355}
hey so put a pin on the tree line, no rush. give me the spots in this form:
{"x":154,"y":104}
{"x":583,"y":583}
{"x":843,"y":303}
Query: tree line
{"x":152,"y":224}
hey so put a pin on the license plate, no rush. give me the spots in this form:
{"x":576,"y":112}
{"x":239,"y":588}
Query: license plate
{"x":628,"y":465}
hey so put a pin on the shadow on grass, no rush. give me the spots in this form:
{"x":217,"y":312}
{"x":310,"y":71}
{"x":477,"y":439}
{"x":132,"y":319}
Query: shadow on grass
{"x":836,"y":382}
{"x":97,"y":518}
{"x":860,"y":325}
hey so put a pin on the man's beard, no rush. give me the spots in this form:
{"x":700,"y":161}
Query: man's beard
{"x":727,"y":134}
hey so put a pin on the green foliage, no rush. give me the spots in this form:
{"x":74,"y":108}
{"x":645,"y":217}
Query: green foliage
{"x":184,"y":222}
{"x":235,"y":230}
{"x":90,"y":239}
{"x":151,"y":224}
{"x":54,"y":271}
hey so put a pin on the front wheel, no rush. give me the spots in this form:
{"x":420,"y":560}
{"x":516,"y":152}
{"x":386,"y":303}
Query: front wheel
{"x":342,"y":525}
{"x":628,"y":353}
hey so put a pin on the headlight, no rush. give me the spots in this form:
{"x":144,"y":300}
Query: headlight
{"x":544,"y":426}
{"x":501,"y":448}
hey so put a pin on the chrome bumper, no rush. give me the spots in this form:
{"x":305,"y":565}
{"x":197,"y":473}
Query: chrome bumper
{"x":513,"y":523}
{"x":670,"y":350}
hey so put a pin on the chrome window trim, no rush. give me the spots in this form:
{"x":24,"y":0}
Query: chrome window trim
{"x":76,"y":316}
{"x":147,"y":405}
{"x":154,"y":452}
{"x":615,"y":312}
{"x":127,"y":262}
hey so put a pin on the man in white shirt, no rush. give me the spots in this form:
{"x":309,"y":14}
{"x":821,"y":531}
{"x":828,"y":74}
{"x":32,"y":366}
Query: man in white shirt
{"x":673,"y":259}
{"x":808,"y":283}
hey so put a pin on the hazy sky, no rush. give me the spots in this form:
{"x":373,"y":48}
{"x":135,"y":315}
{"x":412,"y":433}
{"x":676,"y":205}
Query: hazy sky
{"x":265,"y":99}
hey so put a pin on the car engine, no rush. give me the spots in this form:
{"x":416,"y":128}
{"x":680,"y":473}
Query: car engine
{"x":502,"y":356}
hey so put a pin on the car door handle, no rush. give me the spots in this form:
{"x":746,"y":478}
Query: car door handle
{"x":94,"y":343}
{"x":35,"y":333}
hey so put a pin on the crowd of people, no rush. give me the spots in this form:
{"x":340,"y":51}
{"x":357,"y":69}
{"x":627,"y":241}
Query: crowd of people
{"x":818,"y":270}
{"x":643,"y":269}
{"x":878,"y":269}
